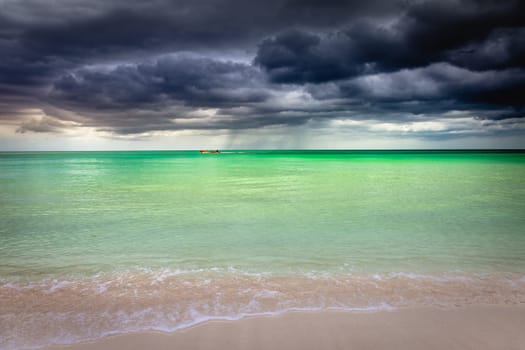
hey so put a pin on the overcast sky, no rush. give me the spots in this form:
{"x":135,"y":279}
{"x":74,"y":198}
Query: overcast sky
{"x":186,"y":74}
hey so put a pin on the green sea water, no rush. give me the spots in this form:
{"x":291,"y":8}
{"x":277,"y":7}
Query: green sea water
{"x":262,"y":211}
{"x":100,"y":243}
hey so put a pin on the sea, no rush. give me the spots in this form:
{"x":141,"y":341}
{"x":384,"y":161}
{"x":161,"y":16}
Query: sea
{"x":101,"y":243}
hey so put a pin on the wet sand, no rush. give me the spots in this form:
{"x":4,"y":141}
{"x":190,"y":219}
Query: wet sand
{"x":480,"y":327}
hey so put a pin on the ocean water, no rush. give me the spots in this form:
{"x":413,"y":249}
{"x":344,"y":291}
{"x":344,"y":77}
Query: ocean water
{"x":98,"y":243}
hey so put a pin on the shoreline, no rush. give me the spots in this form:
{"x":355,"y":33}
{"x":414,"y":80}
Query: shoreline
{"x":74,"y":311}
{"x":480,"y":327}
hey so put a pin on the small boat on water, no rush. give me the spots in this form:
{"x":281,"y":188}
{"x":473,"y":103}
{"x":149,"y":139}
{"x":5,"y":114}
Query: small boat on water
{"x":206,"y":151}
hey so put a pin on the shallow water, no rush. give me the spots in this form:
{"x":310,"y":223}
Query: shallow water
{"x":95,"y":243}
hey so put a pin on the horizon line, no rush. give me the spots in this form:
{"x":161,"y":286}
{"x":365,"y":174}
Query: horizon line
{"x":274,"y":149}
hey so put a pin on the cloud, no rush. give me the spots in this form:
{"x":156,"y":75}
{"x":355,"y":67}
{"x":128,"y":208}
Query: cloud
{"x":161,"y":93}
{"x":133,"y":67}
{"x":503,"y":48}
{"x":441,"y":82}
{"x":45,"y":124}
{"x":40,"y":40}
{"x":299,"y":57}
{"x":417,"y":38}
{"x":195,"y":81}
{"x":196,"y":93}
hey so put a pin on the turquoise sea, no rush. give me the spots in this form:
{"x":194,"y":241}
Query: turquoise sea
{"x":98,"y":243}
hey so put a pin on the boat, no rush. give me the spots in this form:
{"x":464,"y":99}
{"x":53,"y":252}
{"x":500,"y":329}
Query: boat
{"x":206,"y":151}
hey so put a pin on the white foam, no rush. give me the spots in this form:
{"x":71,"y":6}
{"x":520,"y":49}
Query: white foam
{"x":445,"y":277}
{"x":267,"y":294}
{"x":57,"y":285}
{"x":521,"y":280}
{"x":264,"y":297}
{"x":198,"y":318}
{"x":131,"y":322}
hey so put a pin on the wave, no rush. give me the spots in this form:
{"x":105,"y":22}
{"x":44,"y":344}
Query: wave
{"x":37,"y":313}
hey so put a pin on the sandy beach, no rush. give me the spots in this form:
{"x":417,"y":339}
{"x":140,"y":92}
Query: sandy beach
{"x":475,"y":327}
{"x":157,"y":249}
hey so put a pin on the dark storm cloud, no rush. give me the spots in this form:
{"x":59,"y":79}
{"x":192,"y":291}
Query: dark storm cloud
{"x":155,"y":93}
{"x":503,"y":48}
{"x":440,"y":82}
{"x":425,"y":34}
{"x":193,"y":81}
{"x":130,"y":67}
{"x":41,"y":38}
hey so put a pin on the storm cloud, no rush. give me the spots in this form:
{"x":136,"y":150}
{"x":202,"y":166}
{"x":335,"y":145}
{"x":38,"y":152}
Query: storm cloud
{"x":427,"y":33}
{"x":131,"y":67}
{"x":197,"y":81}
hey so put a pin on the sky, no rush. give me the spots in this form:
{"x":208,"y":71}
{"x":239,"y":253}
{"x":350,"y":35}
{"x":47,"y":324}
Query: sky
{"x":192,"y":74}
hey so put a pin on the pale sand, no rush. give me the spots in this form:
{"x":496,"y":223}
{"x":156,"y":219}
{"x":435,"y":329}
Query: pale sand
{"x":473,"y":327}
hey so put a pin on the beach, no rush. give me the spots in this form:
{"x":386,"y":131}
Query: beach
{"x":262,"y":249}
{"x":262,"y":175}
{"x":476,"y":327}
